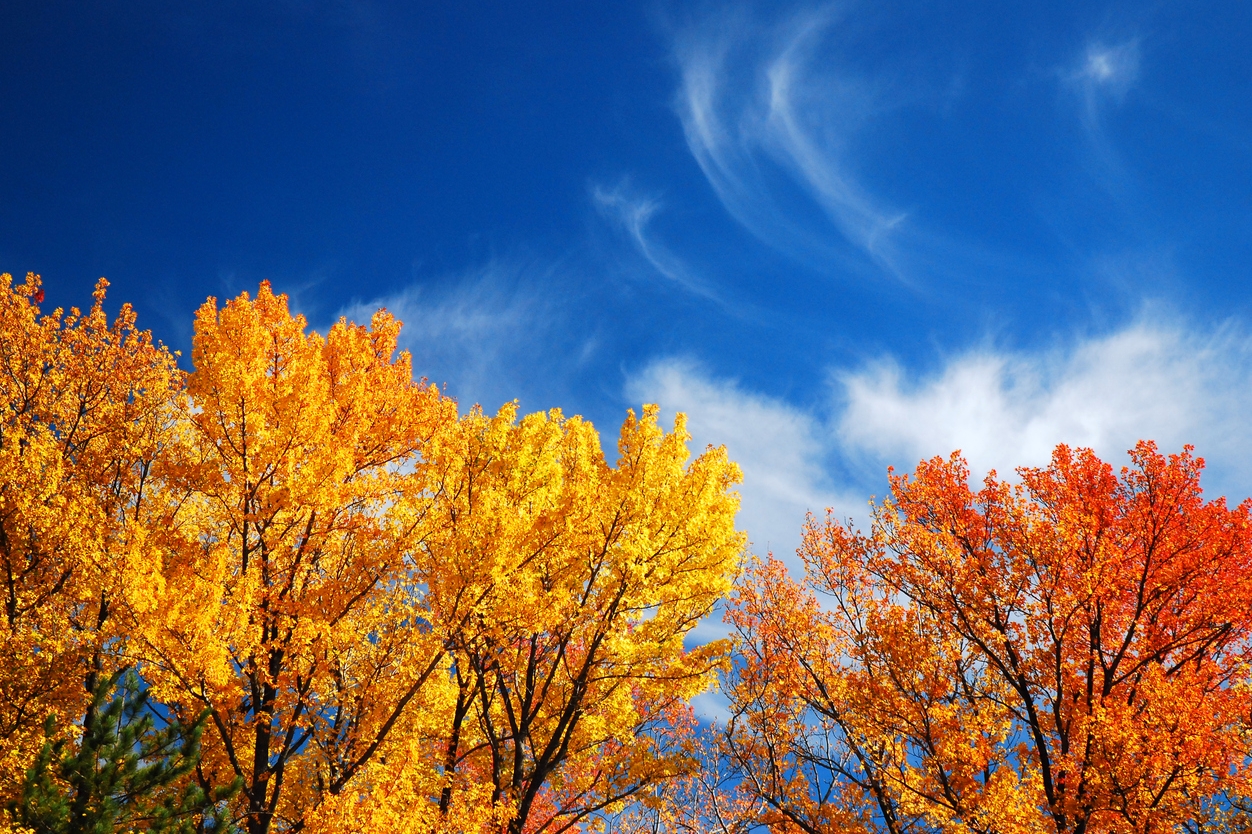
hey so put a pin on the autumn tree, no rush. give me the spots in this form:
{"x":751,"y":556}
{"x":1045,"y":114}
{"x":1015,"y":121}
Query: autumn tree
{"x":288,"y":611}
{"x":564,"y":588}
{"x":575,"y":667}
{"x":1063,"y":654}
{"x":84,"y":414}
{"x":380,"y":615}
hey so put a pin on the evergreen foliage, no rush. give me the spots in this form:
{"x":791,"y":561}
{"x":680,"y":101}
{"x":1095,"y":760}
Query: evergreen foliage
{"x":124,"y":774}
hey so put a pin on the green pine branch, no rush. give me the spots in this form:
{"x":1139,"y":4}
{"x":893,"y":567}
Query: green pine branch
{"x":124,"y":774}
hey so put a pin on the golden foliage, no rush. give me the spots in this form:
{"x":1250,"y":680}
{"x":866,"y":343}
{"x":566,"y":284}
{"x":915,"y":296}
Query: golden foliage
{"x":396,"y":618}
{"x":289,"y":596}
{"x":572,"y":584}
{"x":86,"y":412}
{"x":400,"y":618}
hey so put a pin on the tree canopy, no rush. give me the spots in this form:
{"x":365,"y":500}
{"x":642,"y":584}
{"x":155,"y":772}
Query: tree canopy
{"x":375,"y":612}
{"x":297,"y":589}
{"x":1067,"y":653}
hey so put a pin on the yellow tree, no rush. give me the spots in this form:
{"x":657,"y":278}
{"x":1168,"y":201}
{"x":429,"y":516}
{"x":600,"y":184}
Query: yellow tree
{"x":573,"y":665}
{"x":1063,"y":655}
{"x":85,"y":413}
{"x":289,"y":611}
{"x":394,"y":619}
{"x":564,"y":588}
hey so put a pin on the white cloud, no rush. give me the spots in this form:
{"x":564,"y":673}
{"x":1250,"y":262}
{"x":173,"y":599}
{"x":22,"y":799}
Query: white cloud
{"x":1104,"y":73}
{"x":781,"y":449}
{"x":1111,"y":68}
{"x":633,"y":212}
{"x":478,"y":332}
{"x":757,"y":101}
{"x":1154,"y":380}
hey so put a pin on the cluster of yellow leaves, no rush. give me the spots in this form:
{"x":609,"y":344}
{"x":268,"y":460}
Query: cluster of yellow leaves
{"x":395,"y":617}
{"x":85,"y":413}
{"x":563,"y":588}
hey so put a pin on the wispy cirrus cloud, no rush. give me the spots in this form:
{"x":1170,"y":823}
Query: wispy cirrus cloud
{"x":486,"y":334}
{"x":1113,"y":68}
{"x":763,"y":112}
{"x":1105,"y":72}
{"x":632,"y":212}
{"x":1100,"y":78}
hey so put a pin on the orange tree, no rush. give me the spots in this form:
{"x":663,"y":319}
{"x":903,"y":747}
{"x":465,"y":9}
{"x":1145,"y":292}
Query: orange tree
{"x":287,"y":612}
{"x":84,"y":415}
{"x":1064,"y":654}
{"x":398,"y":619}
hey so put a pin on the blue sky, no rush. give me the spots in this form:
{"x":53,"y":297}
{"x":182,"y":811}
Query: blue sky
{"x":840,"y":236}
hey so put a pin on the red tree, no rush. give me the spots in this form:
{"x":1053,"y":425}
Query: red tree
{"x":1067,"y":654}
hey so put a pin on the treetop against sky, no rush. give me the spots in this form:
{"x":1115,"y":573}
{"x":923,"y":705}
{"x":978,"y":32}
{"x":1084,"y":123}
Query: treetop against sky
{"x":837,"y":235}
{"x":375,"y":613}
